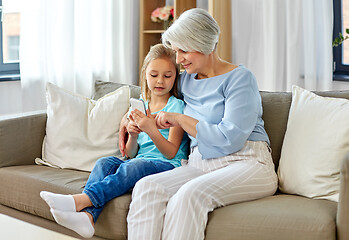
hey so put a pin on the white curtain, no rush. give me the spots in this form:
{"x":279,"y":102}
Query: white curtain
{"x":72,"y":43}
{"x":284,"y":42}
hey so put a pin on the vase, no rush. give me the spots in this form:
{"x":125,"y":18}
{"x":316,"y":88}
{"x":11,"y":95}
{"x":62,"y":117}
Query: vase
{"x":166,"y":24}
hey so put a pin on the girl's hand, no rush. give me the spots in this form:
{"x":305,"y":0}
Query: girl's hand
{"x":166,"y":119}
{"x":132,"y":128}
{"x":145,"y":123}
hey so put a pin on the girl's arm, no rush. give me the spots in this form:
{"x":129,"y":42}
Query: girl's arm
{"x":131,"y":147}
{"x":168,"y":147}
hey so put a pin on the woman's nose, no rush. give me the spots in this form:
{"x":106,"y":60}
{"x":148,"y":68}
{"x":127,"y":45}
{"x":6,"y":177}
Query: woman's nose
{"x":179,"y":58}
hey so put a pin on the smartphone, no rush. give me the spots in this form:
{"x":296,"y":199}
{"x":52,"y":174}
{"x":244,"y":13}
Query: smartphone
{"x":138,"y":104}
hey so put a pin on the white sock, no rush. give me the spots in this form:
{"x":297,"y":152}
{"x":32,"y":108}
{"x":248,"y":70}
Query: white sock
{"x":76,"y":221}
{"x":59,"y":201}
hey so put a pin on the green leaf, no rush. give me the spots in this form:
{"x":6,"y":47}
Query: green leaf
{"x":339,"y":40}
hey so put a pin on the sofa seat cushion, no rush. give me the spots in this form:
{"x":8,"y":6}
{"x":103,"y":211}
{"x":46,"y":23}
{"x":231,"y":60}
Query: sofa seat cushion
{"x":277,"y":217}
{"x":15,"y":192}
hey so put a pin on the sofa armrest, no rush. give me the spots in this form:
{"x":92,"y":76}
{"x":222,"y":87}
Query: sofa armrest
{"x":21,"y":138}
{"x":343,"y":204}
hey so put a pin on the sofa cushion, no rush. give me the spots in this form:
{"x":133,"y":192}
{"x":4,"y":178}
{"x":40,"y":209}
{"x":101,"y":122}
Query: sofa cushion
{"x":276,"y":106}
{"x":15,"y":192}
{"x":316,"y":141}
{"x":282,"y":217}
{"x":79,"y":131}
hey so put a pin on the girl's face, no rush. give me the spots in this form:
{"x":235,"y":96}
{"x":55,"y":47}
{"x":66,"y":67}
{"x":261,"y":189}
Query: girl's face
{"x":193,"y":62}
{"x":160,"y":75}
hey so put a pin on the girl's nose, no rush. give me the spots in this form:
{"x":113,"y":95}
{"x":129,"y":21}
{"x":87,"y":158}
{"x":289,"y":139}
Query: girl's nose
{"x":160,"y":79}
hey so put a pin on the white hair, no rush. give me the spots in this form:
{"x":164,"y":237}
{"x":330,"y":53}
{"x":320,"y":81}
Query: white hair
{"x":194,"y":31}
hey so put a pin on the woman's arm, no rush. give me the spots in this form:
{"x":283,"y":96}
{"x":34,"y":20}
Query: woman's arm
{"x":168,"y":147}
{"x":224,"y":128}
{"x":222,"y":125}
{"x":123,"y":135}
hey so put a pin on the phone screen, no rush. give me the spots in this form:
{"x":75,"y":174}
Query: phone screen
{"x":138,"y":104}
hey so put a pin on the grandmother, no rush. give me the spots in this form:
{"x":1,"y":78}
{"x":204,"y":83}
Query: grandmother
{"x":230,"y":159}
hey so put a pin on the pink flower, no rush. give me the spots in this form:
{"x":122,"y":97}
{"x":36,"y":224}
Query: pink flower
{"x":156,"y":12}
{"x":162,"y":14}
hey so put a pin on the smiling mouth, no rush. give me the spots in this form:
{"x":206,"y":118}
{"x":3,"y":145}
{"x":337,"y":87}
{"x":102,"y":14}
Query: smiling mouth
{"x":186,"y":65}
{"x":159,"y":88}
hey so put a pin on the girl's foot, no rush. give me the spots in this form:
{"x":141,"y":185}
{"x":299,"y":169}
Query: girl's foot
{"x":59,"y":201}
{"x":76,"y":221}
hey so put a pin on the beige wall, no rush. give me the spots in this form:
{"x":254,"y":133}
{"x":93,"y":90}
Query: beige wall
{"x":10,"y":97}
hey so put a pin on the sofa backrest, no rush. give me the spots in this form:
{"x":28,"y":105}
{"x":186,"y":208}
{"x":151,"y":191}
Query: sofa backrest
{"x":101,"y":88}
{"x":276,"y":107}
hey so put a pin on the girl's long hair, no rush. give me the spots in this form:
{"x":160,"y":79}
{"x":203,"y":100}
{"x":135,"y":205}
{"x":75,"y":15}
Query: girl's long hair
{"x":155,"y":52}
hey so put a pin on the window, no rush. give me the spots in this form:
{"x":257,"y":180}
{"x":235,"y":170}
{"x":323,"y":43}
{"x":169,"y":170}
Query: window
{"x":9,"y":37}
{"x":341,"y":52}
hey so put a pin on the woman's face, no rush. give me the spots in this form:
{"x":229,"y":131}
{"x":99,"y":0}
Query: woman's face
{"x":193,"y":62}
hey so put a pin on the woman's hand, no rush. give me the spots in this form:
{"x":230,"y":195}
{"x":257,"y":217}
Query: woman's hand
{"x":171,"y":119}
{"x":145,"y":123}
{"x":123,"y":135}
{"x":166,"y":119}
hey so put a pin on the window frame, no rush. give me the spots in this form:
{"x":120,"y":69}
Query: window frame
{"x":8,"y":71}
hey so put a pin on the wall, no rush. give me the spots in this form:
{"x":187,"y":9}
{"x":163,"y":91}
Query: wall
{"x":10,"y":97}
{"x":340,"y":85}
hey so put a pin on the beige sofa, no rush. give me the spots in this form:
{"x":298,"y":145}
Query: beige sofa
{"x":279,"y":217}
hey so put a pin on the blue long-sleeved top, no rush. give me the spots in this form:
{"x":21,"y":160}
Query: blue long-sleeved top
{"x":228,"y":108}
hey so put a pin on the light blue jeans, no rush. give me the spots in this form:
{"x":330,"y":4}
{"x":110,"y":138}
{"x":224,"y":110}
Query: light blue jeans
{"x":112,"y":177}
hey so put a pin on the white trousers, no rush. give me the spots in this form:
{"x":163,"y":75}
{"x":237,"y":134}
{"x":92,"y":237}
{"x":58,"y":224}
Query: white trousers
{"x":174,"y":205}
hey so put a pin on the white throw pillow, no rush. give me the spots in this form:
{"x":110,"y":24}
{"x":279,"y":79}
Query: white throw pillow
{"x":80,"y":130}
{"x":315,"y":143}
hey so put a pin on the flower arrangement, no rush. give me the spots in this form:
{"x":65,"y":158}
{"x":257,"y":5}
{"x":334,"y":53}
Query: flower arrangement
{"x":162,"y":14}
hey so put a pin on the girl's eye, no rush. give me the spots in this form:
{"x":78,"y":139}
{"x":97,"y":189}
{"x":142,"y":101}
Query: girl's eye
{"x":153,"y":75}
{"x":167,"y":76}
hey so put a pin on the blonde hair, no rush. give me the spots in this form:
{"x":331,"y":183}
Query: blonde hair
{"x":155,"y":52}
{"x":194,"y":31}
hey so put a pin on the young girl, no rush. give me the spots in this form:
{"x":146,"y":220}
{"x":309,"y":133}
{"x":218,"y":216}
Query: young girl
{"x":153,"y":150}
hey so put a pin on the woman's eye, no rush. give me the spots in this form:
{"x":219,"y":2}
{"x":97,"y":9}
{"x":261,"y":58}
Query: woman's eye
{"x":153,"y":75}
{"x":168,"y":76}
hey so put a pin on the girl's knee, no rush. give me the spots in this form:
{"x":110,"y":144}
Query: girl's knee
{"x":105,"y":163}
{"x":103,"y":160}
